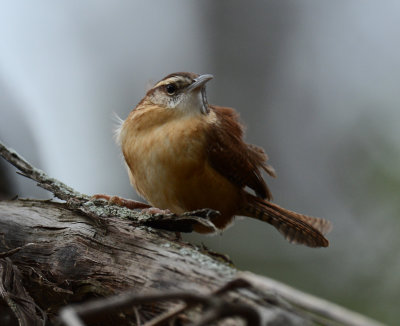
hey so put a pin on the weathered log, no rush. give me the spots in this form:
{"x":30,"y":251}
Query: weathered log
{"x":54,"y":254}
{"x":71,"y":258}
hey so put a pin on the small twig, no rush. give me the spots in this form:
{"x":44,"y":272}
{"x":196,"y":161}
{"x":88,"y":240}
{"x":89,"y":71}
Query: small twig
{"x":137,"y":315}
{"x":223,"y":310}
{"x":69,"y":317}
{"x":238,"y":283}
{"x":307,"y":302}
{"x":168,"y":315}
{"x":59,"y":189}
{"x":217,"y":307}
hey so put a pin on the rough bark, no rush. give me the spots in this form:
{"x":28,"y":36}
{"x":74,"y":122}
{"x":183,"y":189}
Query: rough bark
{"x":73,"y":259}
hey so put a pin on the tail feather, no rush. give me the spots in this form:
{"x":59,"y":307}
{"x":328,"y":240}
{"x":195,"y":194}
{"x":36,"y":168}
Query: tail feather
{"x":296,"y":228}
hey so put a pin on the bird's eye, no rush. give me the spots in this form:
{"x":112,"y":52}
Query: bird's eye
{"x":171,"y":89}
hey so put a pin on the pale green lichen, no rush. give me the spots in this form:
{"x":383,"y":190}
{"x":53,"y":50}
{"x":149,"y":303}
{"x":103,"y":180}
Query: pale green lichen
{"x":196,"y":254}
{"x":103,"y":209}
{"x":207,"y":261}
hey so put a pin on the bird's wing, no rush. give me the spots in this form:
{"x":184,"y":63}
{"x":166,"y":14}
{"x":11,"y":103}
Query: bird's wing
{"x":239,"y":162}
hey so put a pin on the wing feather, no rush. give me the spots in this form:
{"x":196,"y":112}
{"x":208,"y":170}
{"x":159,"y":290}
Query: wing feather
{"x":239,"y":162}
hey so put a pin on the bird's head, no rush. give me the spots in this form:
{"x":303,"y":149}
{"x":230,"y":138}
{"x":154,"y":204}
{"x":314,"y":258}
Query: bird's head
{"x":182,"y":91}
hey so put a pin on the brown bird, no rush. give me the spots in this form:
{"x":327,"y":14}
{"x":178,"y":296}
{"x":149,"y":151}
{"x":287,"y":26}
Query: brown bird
{"x":183,"y":154}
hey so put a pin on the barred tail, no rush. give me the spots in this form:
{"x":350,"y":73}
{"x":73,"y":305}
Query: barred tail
{"x":296,"y":228}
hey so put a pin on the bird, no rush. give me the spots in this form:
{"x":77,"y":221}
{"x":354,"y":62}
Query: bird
{"x":183,"y":154}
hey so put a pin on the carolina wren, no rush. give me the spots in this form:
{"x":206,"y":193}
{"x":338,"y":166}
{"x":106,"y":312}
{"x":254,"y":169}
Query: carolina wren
{"x":183,"y":154}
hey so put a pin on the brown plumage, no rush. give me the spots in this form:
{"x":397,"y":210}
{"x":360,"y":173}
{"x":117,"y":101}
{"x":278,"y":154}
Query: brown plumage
{"x":183,"y":154}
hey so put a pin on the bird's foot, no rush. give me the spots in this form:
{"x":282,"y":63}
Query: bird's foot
{"x":128,"y":203}
{"x":198,"y":220}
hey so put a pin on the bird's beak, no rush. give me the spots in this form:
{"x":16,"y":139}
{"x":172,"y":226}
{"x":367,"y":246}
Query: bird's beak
{"x":199,"y":82}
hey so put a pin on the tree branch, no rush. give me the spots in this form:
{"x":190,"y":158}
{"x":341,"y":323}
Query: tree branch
{"x":100,"y":208}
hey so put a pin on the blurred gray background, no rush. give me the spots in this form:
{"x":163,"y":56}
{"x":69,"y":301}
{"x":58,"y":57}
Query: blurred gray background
{"x":316,"y":82}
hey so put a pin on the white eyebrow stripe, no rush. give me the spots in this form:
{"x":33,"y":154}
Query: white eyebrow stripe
{"x":167,"y":81}
{"x":170,"y":80}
